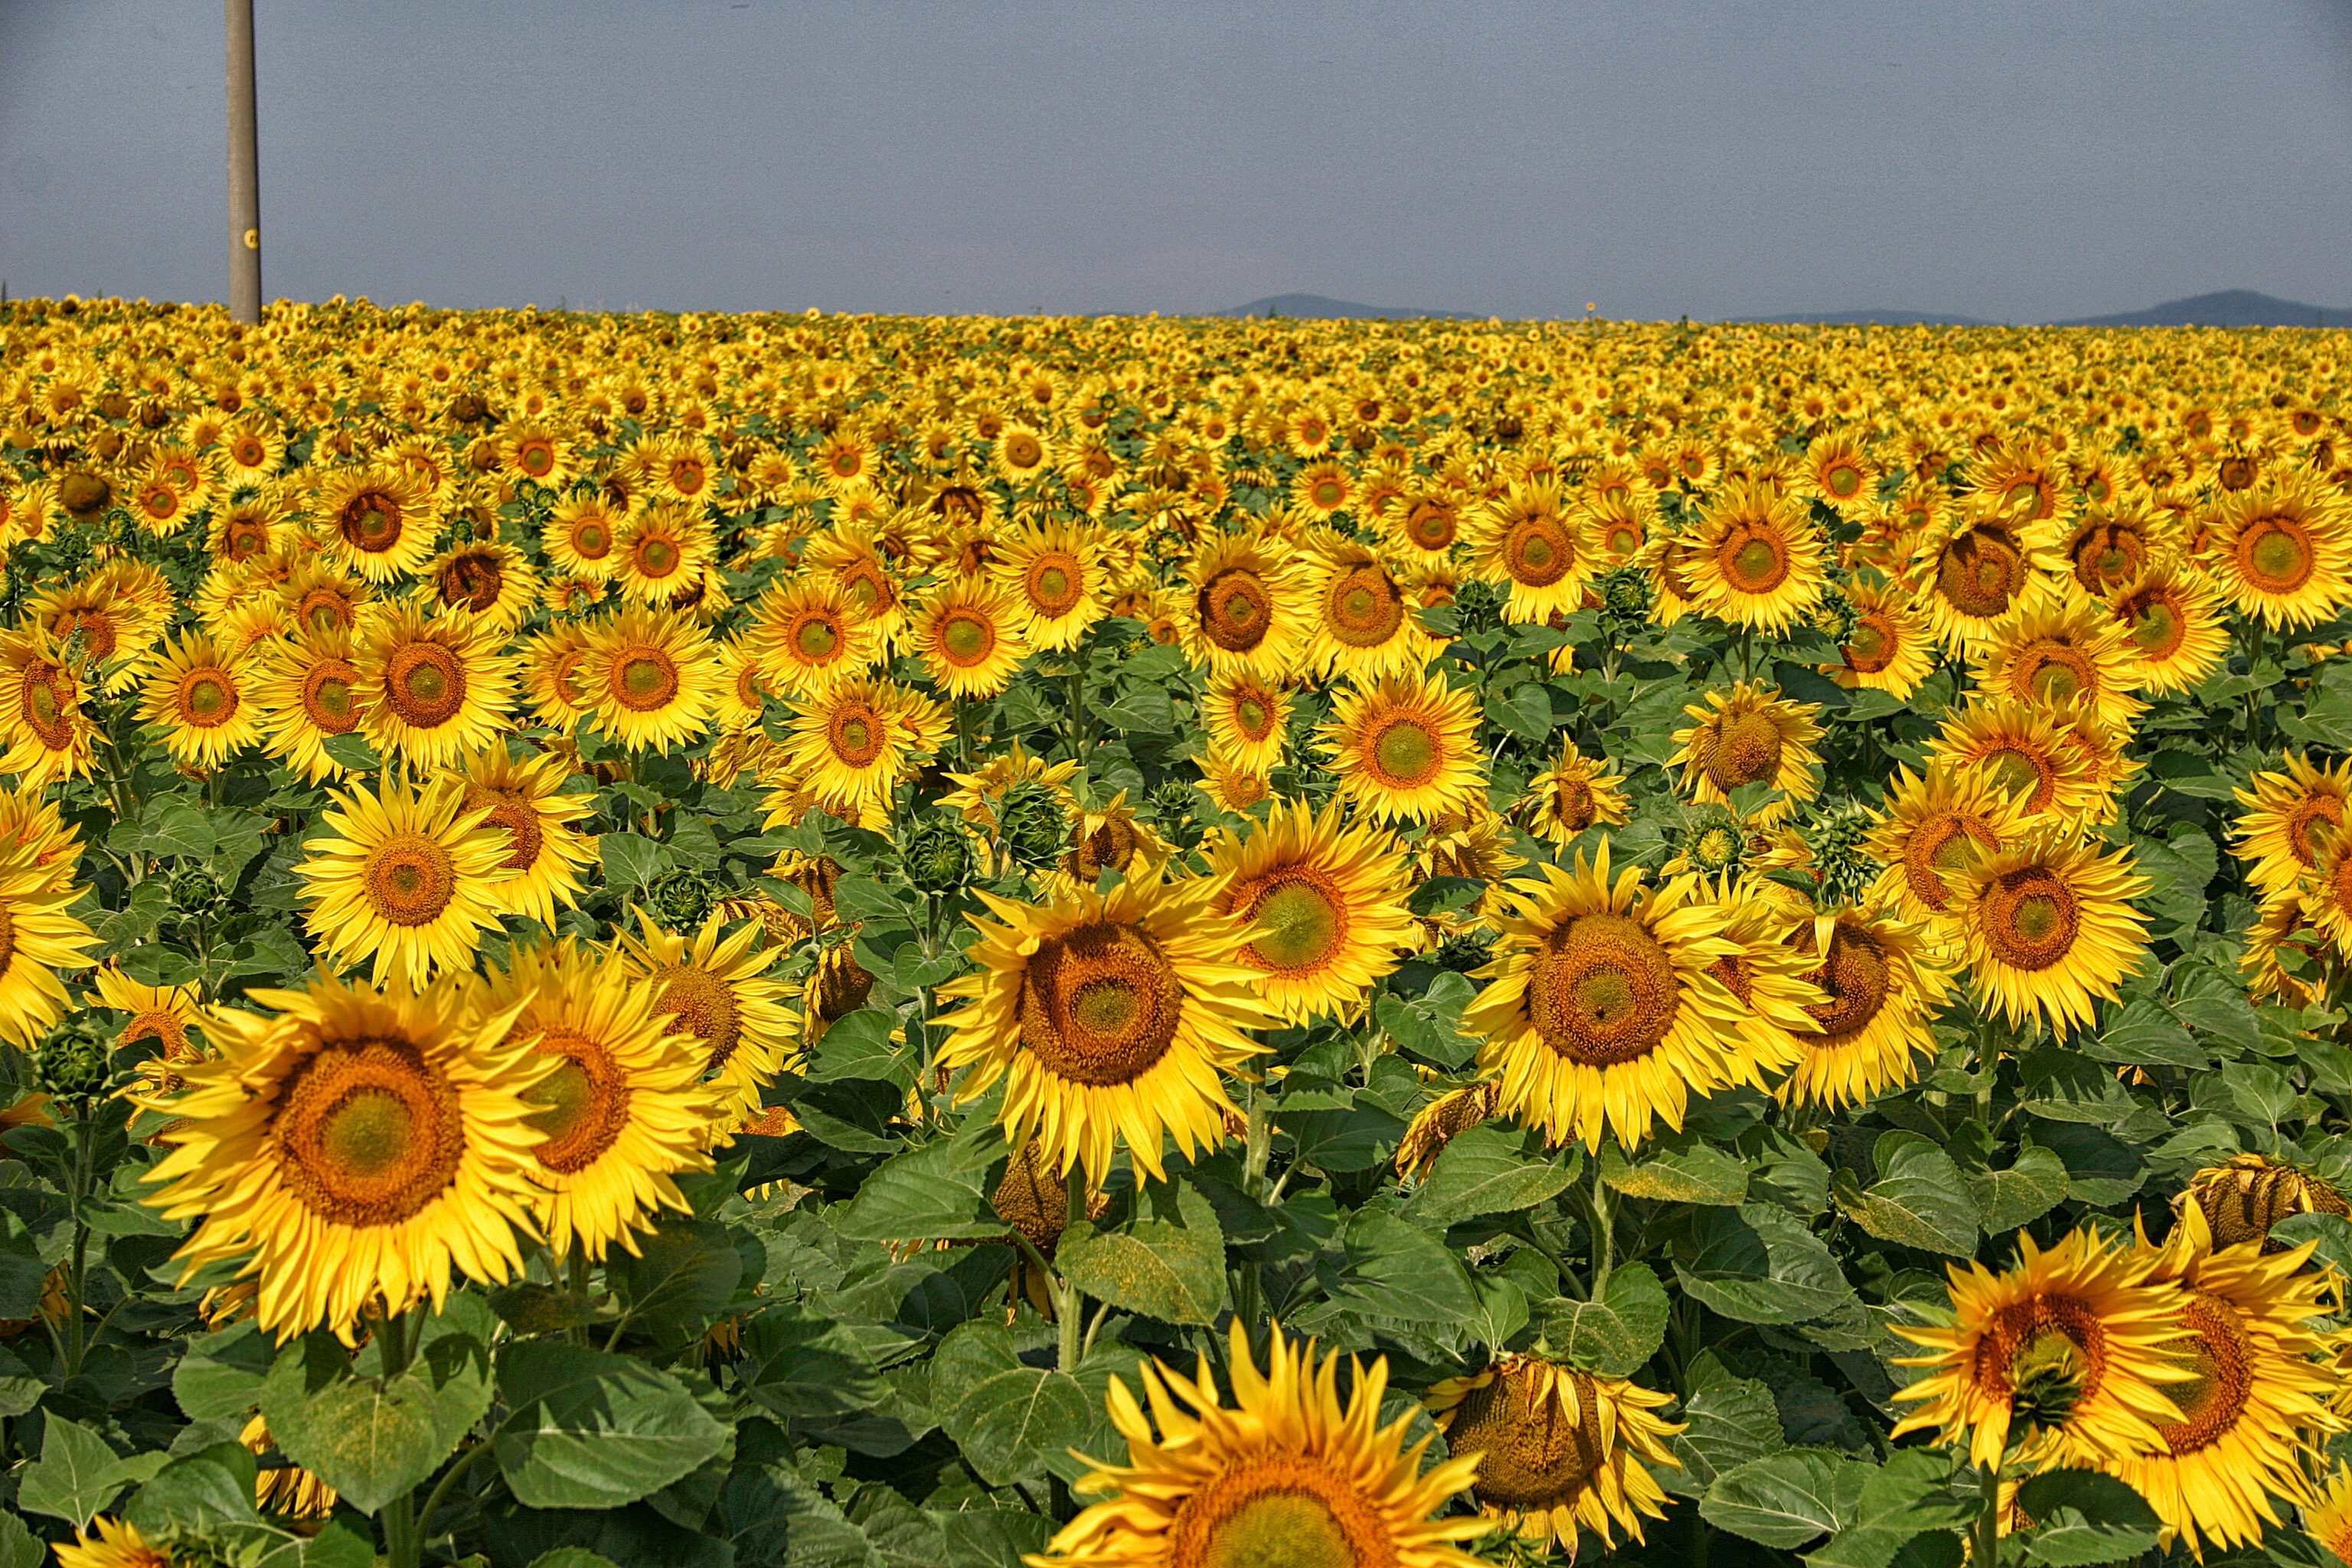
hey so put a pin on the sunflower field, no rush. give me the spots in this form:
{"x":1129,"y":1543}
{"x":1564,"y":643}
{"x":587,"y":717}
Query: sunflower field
{"x":796,"y":941}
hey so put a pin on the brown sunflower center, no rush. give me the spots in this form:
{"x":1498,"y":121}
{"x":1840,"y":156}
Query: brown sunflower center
{"x":2044,"y":1354}
{"x":586,"y":1100}
{"x":1538,"y":550}
{"x":1023,"y":450}
{"x":645,"y":678}
{"x":2316,"y":812}
{"x":1533,"y":1452}
{"x":1753,"y":557}
{"x":704,"y":1006}
{"x":2030,"y":918}
{"x":1573,"y":804}
{"x":97,"y":630}
{"x":1431,"y":525}
{"x":46,"y":701}
{"x":1303,"y":917}
{"x":1937,"y":846}
{"x":324,"y":609}
{"x":1236,"y":609}
{"x":2108,"y":555}
{"x":409,"y":880}
{"x":1054,"y":583}
{"x":591,"y":538}
{"x":368,"y":1132}
{"x":371,"y":522}
{"x":1856,"y":977}
{"x":511,"y":810}
{"x":1980,"y":573}
{"x":2274,"y":553}
{"x":1601,"y":991}
{"x":856,"y":733}
{"x":2153,"y":618}
{"x":474,"y":580}
{"x":536,"y":458}
{"x":1362,"y":607}
{"x":2024,"y":771}
{"x":1746,"y":751}
{"x":966,"y":639}
{"x":1099,"y":1005}
{"x":1405,"y":754}
{"x":1872,"y":648}
{"x":657,"y":557}
{"x":1280,"y":1513}
{"x":207,"y":698}
{"x":157,"y":1025}
{"x":327,"y":697}
{"x":2053,"y":672}
{"x":425,"y":684}
{"x":1110,"y":846}
{"x":1253,"y":714}
{"x":2218,"y":1352}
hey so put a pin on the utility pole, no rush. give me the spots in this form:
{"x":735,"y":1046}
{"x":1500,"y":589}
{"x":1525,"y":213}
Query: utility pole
{"x":244,"y":171}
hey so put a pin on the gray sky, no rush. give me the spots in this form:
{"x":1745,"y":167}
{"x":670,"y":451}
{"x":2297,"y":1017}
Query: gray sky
{"x":2012,"y":162}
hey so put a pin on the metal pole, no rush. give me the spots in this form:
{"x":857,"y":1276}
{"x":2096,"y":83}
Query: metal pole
{"x":244,"y":170}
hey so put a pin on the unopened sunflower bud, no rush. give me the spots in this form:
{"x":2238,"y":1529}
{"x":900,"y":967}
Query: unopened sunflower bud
{"x":936,"y":855}
{"x":1035,"y":828}
{"x":681,"y":899}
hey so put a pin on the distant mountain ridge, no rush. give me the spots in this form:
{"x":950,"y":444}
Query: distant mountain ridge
{"x":2227,"y":308}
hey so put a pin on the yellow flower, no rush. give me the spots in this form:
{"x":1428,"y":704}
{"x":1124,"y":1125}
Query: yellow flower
{"x":1755,"y":560}
{"x":2047,"y":927}
{"x":1407,"y":749}
{"x":1750,"y":737}
{"x":1326,"y":901}
{"x":1558,"y":1451}
{"x":408,"y":880}
{"x":202,"y":703}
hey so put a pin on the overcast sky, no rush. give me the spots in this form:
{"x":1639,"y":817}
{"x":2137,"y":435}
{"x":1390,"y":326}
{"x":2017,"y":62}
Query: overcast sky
{"x":2024,"y":161}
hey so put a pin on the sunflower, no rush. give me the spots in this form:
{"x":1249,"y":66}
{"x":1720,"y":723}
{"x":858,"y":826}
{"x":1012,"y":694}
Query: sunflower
{"x":1108,"y":1015}
{"x":1969,"y":573}
{"x":1602,"y":1007}
{"x":1525,"y":541}
{"x":1750,"y":737}
{"x":1286,"y":1476}
{"x":659,"y":551}
{"x":554,"y":661}
{"x":579,"y":538}
{"x":202,"y":702}
{"x":1838,"y":471}
{"x":352,"y":1148}
{"x":1880,"y":987}
{"x":2107,"y":548}
{"x":1407,"y":749}
{"x":1425,"y":526}
{"x":379,"y":519}
{"x":304,"y":693}
{"x":1475,"y":845}
{"x":2327,"y":1519}
{"x":158,"y":1012}
{"x":431,"y":693}
{"x":38,"y":937}
{"x":2279,"y":927}
{"x":160,"y":507}
{"x":1327,"y":903}
{"x":320,"y":596}
{"x":2047,"y":926}
{"x":2173,"y":620}
{"x":650,"y":679}
{"x":2025,"y":752}
{"x":529,"y":450}
{"x":1365,"y":628}
{"x":48,"y":735}
{"x":1756,"y":559}
{"x":545,"y":852}
{"x":408,"y":880}
{"x":246,"y":531}
{"x":626,"y":1109}
{"x":853,"y":744}
{"x":112,"y":618}
{"x":482,"y":581}
{"x":2281,"y":555}
{"x":809,"y":635}
{"x":852,"y":559}
{"x":2285,"y":817}
{"x":964,"y":632}
{"x":1440,"y":1123}
{"x":1618,"y":527}
{"x":1929,"y":831}
{"x":1111,"y":839}
{"x":1055,"y":577}
{"x":1248,"y":721}
{"x":1574,"y":794}
{"x":1559,"y":1451}
{"x":33,"y":832}
{"x":2058,"y":650}
{"x":1766,"y":975}
{"x":1233,"y":787}
{"x":111,"y":1542}
{"x":2242,"y":1200}
{"x":1248,"y":611}
{"x":1889,"y":649}
{"x":2069,"y":1349}
{"x":2257,"y":1403}
{"x":714,"y":988}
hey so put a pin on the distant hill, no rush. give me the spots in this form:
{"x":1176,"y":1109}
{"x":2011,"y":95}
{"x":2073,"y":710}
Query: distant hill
{"x":1316,"y":307}
{"x":2230,"y":308}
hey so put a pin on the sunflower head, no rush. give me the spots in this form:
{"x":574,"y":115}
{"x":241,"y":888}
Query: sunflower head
{"x":936,"y":855}
{"x":1032,"y":825}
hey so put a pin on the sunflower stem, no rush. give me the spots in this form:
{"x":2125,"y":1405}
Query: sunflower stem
{"x":401,"y":1547}
{"x":1987,"y":1553}
{"x":1071,"y":1300}
{"x":1604,"y":1235}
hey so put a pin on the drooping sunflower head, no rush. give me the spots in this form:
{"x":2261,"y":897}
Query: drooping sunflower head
{"x":1406,"y":750}
{"x":482,"y":579}
{"x":47,"y":734}
{"x":1289,"y":1474}
{"x":524,"y":799}
{"x":1574,"y":794}
{"x":1871,"y":1029}
{"x":2239,"y":1202}
{"x":1559,"y":1451}
{"x":1970,"y":571}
